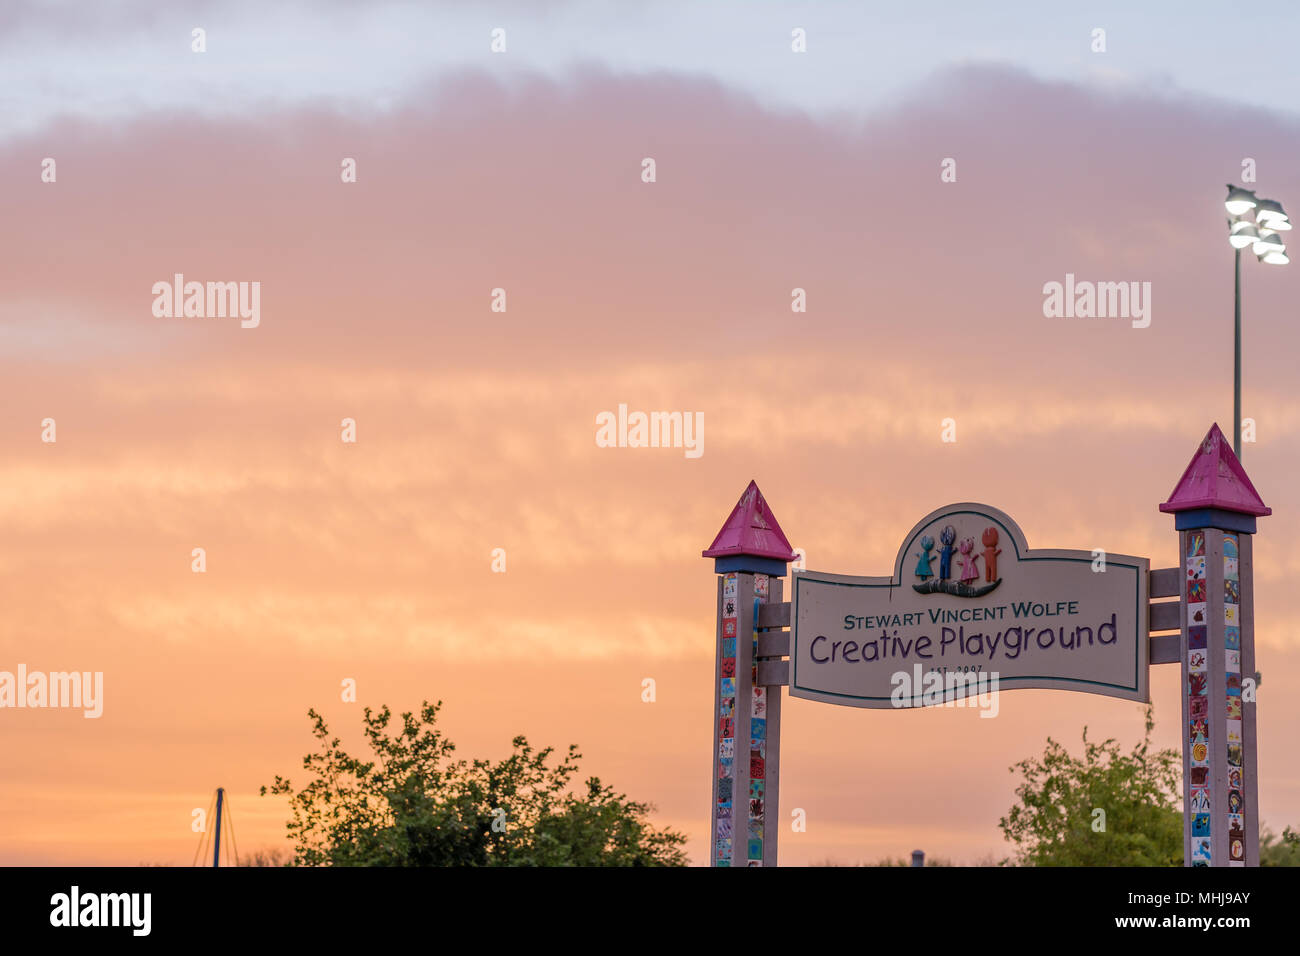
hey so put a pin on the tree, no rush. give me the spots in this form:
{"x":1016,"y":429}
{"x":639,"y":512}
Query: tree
{"x":1139,"y":794}
{"x":413,"y":804}
{"x":1279,"y":851}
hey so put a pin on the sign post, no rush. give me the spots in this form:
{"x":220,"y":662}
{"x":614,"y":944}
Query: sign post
{"x":1215,"y":506}
{"x":749,"y":554}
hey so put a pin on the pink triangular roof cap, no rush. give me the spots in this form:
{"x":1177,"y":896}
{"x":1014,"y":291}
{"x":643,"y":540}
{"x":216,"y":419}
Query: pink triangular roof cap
{"x":751,"y":529}
{"x":1215,"y":479}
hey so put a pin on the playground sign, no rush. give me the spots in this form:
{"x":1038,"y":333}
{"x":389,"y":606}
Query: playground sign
{"x":969,"y":609}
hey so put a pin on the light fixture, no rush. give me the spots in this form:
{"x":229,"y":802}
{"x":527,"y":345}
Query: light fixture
{"x":1243,"y":234}
{"x":1270,"y":211}
{"x":1239,"y":200}
{"x":1269,"y":243}
{"x":1260,"y":233}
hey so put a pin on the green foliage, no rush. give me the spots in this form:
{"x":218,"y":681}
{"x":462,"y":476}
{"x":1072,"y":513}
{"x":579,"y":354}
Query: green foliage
{"x":1140,"y":793}
{"x":413,"y":804}
{"x":1279,"y":851}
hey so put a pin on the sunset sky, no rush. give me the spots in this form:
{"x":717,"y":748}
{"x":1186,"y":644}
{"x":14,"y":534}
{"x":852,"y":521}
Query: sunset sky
{"x":475,"y":429}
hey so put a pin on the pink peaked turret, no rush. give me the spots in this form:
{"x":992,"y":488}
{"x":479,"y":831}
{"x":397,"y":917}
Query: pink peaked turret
{"x":751,"y":529}
{"x":1215,"y":479}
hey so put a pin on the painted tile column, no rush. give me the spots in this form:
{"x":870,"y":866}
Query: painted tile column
{"x":1215,"y":507}
{"x":750,"y":555}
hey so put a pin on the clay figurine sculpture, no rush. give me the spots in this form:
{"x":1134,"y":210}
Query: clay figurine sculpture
{"x":991,"y":552}
{"x":947,"y":536}
{"x":968,"y":571}
{"x":965,"y":587}
{"x":923,"y":570}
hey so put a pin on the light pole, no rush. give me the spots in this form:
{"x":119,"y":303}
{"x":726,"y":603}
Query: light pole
{"x":1262,"y":236}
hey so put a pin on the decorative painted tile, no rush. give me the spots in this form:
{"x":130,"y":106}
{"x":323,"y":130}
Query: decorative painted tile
{"x":1201,"y":851}
{"x":1198,"y":706}
{"x":1234,"y":730}
{"x":729,"y":627}
{"x":1200,"y":825}
{"x":1196,"y":684}
{"x":1232,"y":662}
{"x":1198,"y":729}
{"x":1236,"y":850}
{"x":727,"y":766}
{"x":1196,"y":661}
{"x":1230,"y":546}
{"x":761,"y":585}
{"x":1196,"y":636}
{"x":726,"y":727}
{"x":727,"y":748}
{"x":1234,"y":781}
{"x":727,"y":707}
{"x":1232,"y":638}
{"x":729,"y":586}
{"x":756,"y":789}
{"x":724,"y":791}
{"x":756,"y":849}
{"x":1234,"y":685}
{"x":1200,"y":776}
{"x":754,"y":828}
{"x":758,"y":746}
{"x":728,"y":687}
{"x":758,"y":728}
{"x":759,"y":708}
{"x":1234,"y":708}
{"x":1196,"y":568}
{"x":1195,"y":543}
{"x":728,"y":647}
{"x":1200,"y":754}
{"x":1200,"y":799}
{"x":1234,"y":755}
{"x":1231,"y":571}
{"x":724,"y":829}
{"x":1196,"y":591}
{"x":724,"y":811}
{"x":1234,"y":801}
{"x":756,"y":765}
{"x":728,"y":667}
{"x":1196,"y":614}
{"x":1232,"y":592}
{"x":1230,"y":614}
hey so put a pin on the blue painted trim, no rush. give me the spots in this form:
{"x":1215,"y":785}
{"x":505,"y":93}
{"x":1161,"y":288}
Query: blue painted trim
{"x":1214,"y":518}
{"x":749,"y":563}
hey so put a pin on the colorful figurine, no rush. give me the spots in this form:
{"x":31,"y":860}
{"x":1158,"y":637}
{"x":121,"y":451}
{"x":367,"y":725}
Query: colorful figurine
{"x":991,"y":552}
{"x":923,"y":570}
{"x":968,"y":570}
{"x":947,"y":536}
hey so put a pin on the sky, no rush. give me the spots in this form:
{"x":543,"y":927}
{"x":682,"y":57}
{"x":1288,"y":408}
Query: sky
{"x":372,"y":561}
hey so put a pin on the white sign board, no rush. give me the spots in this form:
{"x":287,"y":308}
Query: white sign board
{"x":970,"y":609}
